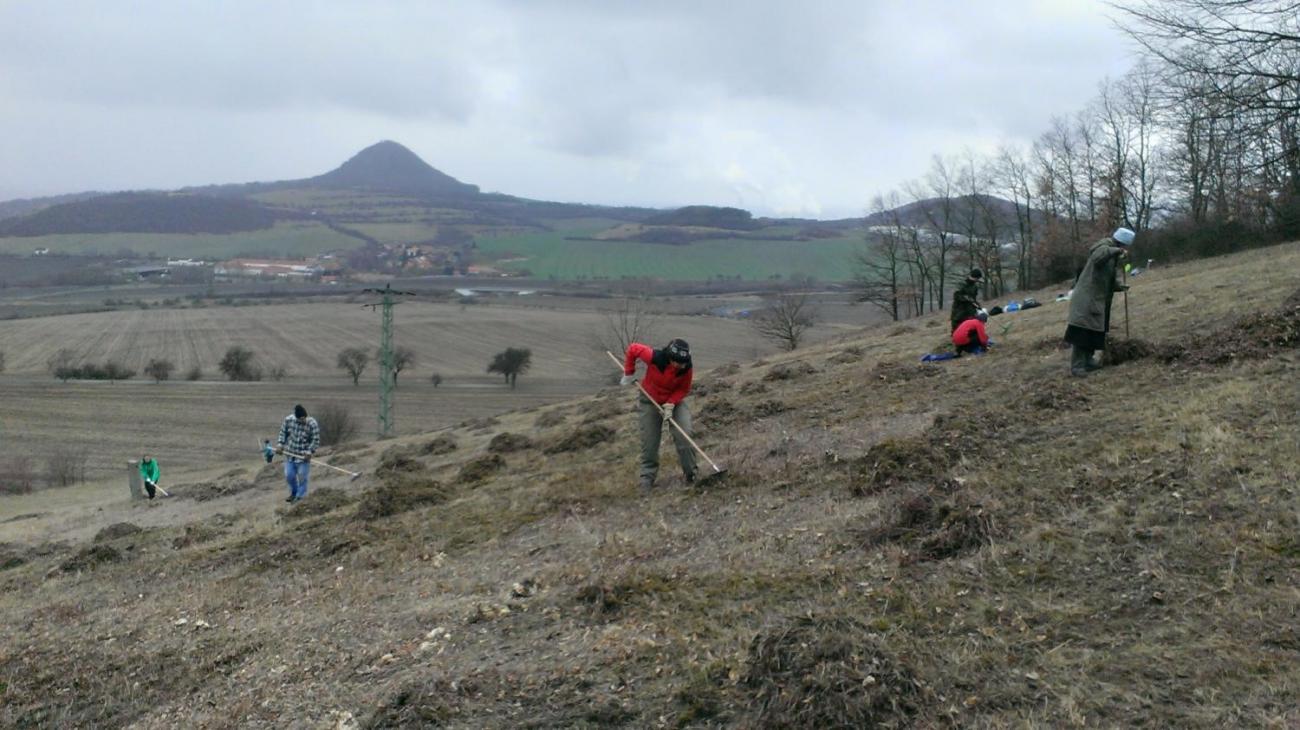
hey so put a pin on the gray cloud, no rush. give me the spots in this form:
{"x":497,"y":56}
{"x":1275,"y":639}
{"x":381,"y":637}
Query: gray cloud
{"x":787,"y":108}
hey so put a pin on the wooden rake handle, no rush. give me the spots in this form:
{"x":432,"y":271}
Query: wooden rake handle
{"x":670,"y":419}
{"x":352,"y":474}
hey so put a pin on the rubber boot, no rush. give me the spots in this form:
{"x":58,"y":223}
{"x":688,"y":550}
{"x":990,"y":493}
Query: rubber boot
{"x":1079,"y":359}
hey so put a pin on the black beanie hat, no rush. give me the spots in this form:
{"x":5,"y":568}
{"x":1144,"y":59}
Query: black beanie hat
{"x":678,"y":351}
{"x":976,"y":274}
{"x":299,"y":411}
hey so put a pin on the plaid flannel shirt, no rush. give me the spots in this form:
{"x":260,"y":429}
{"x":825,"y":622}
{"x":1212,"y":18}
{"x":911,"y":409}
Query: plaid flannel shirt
{"x":300,"y":438}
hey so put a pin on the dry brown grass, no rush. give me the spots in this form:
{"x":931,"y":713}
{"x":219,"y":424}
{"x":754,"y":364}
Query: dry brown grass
{"x":991,"y":545}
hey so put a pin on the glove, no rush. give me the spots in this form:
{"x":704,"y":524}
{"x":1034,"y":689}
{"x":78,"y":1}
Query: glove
{"x":668,"y":410}
{"x":306,"y":458}
{"x":627,"y":380}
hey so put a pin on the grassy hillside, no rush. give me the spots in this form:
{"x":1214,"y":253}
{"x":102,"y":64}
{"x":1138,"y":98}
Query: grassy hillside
{"x":980,"y":543}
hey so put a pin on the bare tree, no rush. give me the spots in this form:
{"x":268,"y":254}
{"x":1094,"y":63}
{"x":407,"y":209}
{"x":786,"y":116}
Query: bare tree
{"x":1014,"y":178}
{"x":511,"y":363}
{"x":786,"y":319}
{"x":353,"y":360}
{"x":240,"y":363}
{"x":939,"y":206}
{"x":1245,"y":52}
{"x":630,"y":320}
{"x":403,"y":358}
{"x":65,"y":466}
{"x":61,"y":364}
{"x":1234,"y":63}
{"x":337,"y":423}
{"x":880,"y":265}
{"x":159,"y":369}
{"x":17,"y":474}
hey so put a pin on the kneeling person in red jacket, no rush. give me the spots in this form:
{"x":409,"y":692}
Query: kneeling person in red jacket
{"x":970,"y":336}
{"x":667,"y":380}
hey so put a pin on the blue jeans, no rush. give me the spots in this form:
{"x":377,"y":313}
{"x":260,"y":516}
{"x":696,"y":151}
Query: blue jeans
{"x":295,"y":473}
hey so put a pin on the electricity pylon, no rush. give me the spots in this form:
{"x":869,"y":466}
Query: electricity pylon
{"x":387,"y":378}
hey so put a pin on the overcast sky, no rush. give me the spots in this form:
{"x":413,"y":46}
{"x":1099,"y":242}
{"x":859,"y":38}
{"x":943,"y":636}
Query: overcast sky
{"x":785,"y":108}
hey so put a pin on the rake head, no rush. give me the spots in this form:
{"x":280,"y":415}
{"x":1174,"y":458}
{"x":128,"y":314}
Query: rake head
{"x":712,"y":479}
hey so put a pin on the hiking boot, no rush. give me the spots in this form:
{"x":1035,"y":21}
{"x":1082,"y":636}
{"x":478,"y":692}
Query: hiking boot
{"x":647,"y":484}
{"x":1092,"y":365}
{"x":690,"y":478}
{"x":290,"y":500}
{"x":1078,"y":373}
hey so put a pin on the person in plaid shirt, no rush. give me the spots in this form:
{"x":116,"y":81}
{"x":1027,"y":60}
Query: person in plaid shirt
{"x":300,"y":436}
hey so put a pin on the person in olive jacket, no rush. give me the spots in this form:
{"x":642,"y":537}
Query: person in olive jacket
{"x":1090,"y":302}
{"x":965,"y":299}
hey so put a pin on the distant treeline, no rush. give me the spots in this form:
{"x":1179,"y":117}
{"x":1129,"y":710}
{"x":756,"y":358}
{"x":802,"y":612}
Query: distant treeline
{"x":145,"y":213}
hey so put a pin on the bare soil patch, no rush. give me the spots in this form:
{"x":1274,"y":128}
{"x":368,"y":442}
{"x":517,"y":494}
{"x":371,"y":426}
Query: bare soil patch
{"x":196,"y":534}
{"x":895,"y":372}
{"x":1059,"y":395}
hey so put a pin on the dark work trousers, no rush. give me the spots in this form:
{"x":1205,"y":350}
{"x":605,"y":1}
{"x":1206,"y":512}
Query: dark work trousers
{"x":652,"y":425}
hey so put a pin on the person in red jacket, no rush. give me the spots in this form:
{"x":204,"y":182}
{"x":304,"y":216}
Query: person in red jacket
{"x":970,"y":336}
{"x":668,"y":381}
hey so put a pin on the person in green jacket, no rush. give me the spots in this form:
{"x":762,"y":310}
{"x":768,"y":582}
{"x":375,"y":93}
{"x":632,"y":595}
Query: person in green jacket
{"x":150,"y":473}
{"x":965,"y":299}
{"x":1090,"y":301}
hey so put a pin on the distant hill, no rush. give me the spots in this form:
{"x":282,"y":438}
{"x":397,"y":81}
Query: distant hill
{"x":26,"y":206}
{"x":389,"y":182}
{"x":391,"y":167}
{"x":386,"y":193}
{"x":143,"y":213}
{"x":706,"y":216}
{"x":961,"y":210}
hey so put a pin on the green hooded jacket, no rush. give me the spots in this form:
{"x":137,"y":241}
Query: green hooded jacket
{"x":1096,"y":286}
{"x":965,"y":302}
{"x":149,"y":471}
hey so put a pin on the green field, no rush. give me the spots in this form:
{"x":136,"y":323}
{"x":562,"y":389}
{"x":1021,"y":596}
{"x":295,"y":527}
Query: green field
{"x":291,"y":240}
{"x":551,"y":255}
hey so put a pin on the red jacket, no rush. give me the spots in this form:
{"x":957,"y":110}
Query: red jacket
{"x":962,"y":335}
{"x":663,"y":381}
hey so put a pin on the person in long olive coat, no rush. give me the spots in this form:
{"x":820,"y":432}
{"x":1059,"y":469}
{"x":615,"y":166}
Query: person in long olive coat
{"x":1090,"y":303}
{"x":965,"y":298}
